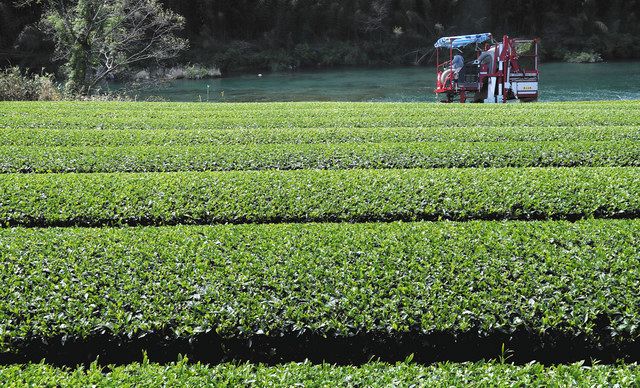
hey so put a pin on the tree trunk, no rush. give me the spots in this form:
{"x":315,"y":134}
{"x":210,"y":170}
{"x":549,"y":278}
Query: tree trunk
{"x":79,"y":61}
{"x":79,"y":67}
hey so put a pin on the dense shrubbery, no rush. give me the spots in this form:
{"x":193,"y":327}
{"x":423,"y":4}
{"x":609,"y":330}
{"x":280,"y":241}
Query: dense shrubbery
{"x":317,"y":156}
{"x":16,"y":85}
{"x":324,"y":375}
{"x":60,"y":134}
{"x":318,"y":196}
{"x":244,"y":56}
{"x":280,"y":35}
{"x":623,"y":115}
{"x":190,"y":71}
{"x":583,"y":57}
{"x":338,"y":280}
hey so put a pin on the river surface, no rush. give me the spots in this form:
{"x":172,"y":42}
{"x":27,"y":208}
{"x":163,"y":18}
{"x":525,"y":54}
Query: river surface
{"x":558,"y":82}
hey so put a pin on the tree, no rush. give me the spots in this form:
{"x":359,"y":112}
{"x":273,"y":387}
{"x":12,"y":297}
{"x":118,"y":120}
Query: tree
{"x":99,"y":38}
{"x":375,"y":20}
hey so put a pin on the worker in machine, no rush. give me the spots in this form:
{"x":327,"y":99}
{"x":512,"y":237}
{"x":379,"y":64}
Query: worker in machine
{"x":487,"y":58}
{"x":456,"y":65}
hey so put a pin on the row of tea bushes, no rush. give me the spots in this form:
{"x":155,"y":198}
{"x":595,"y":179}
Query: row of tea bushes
{"x":96,"y":137}
{"x":374,"y":374}
{"x":551,"y":278}
{"x":74,"y":115}
{"x":318,"y":156}
{"x":318,"y":195}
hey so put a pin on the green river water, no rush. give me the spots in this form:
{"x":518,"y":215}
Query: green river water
{"x":558,"y":82}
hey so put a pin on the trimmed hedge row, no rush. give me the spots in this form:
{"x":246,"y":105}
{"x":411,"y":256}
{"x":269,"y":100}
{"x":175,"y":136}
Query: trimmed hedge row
{"x":88,"y":137}
{"x":318,"y":156}
{"x":479,"y":277}
{"x":305,"y":374}
{"x":317,"y":195}
{"x":310,"y":115}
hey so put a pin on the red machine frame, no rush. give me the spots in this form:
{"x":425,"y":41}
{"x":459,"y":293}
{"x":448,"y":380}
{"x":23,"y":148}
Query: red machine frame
{"x":509,"y":80}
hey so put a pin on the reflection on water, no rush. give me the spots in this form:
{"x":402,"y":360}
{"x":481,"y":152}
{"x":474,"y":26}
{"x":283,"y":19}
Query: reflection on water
{"x":559,"y":82}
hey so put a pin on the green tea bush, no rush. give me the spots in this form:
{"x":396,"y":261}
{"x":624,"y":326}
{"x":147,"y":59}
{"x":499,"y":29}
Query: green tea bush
{"x":318,"y":156}
{"x":338,"y":280}
{"x":374,"y":374}
{"x":73,"y":266}
{"x":64,"y":135}
{"x":314,"y":115}
{"x":316,"y":195}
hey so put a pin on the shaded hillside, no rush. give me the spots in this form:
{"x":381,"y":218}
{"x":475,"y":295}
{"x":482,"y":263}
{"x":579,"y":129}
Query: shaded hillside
{"x":238,"y":35}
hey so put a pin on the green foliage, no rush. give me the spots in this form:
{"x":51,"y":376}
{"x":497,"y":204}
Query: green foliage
{"x":305,"y":374}
{"x":315,"y":195}
{"x":324,"y":135}
{"x":97,"y":38}
{"x":57,"y":133}
{"x":200,"y":72}
{"x":304,"y":34}
{"x":18,"y":86}
{"x":583,"y":57}
{"x":284,"y":34}
{"x":330,"y":279}
{"x":575,"y":279}
{"x":421,"y":117}
{"x":72,"y":136}
{"x":317,"y":156}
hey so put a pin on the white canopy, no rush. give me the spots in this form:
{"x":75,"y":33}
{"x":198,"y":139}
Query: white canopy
{"x":462,"y":40}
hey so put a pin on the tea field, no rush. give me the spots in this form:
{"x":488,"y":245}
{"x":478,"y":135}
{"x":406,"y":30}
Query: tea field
{"x":319,"y":243}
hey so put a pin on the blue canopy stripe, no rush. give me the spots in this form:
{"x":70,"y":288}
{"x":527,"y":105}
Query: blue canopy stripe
{"x":462,"y":40}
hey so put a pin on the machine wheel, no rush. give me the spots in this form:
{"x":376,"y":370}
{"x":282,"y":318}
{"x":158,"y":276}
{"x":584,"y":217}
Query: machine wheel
{"x":450,"y":96}
{"x":482,"y":94}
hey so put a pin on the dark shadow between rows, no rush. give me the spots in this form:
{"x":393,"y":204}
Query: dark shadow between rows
{"x":519,"y":347}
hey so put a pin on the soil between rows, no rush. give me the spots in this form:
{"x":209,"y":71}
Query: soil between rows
{"x":520,"y":347}
{"x":366,"y":218}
